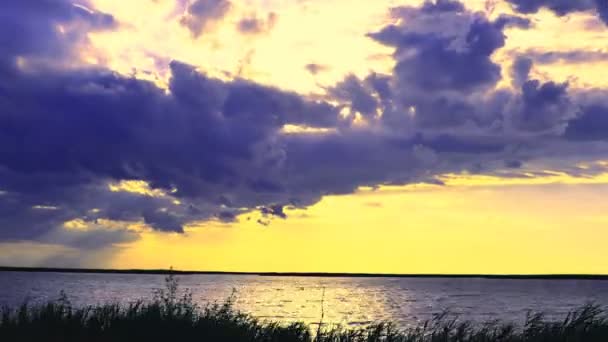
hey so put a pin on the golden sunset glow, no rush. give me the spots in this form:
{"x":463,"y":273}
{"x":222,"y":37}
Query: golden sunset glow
{"x":438,"y":230}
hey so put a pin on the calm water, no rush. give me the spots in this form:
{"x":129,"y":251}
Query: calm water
{"x":347,"y":301}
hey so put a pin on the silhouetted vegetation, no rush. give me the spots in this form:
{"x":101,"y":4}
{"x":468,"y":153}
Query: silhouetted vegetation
{"x":172,"y":316}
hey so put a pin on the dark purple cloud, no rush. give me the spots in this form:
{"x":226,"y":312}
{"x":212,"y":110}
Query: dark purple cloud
{"x":443,"y":68}
{"x":256,"y":25}
{"x":355,"y":93}
{"x":592,"y":124}
{"x":206,"y":136}
{"x":315,"y":68}
{"x":602,"y":9}
{"x":572,"y":56}
{"x":66,"y":133}
{"x":31,"y":28}
{"x":562,"y":7}
{"x":432,"y":65}
{"x":513,"y":164}
{"x":200,"y":13}
{"x":543,"y":106}
{"x":442,"y":6}
{"x":436,"y":61}
{"x":521,"y":70}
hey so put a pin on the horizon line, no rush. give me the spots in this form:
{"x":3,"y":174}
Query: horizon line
{"x":549,"y":276}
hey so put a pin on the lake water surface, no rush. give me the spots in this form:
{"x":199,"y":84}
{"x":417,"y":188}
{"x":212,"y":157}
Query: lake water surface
{"x":346,"y":301}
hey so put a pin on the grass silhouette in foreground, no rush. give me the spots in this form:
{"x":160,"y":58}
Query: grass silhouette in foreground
{"x":174,"y":317}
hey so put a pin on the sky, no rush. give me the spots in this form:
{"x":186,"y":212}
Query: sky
{"x":376,"y":136}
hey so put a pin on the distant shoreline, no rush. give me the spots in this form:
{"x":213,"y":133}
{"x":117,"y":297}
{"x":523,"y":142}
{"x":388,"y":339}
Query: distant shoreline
{"x":308,"y":274}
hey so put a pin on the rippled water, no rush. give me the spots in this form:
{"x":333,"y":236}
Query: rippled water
{"x":347,"y":301}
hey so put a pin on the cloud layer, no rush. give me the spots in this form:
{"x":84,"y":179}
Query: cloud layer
{"x":84,"y":143}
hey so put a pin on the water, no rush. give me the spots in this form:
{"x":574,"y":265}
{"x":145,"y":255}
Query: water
{"x":346,"y":301}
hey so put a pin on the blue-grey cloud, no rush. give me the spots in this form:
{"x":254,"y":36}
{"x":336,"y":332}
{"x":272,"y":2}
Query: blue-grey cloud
{"x":355,"y":93}
{"x":442,"y":6}
{"x":521,"y":70}
{"x":602,"y":9}
{"x":562,"y":7}
{"x":66,"y":133}
{"x":201,"y":13}
{"x":257,"y":25}
{"x":573,"y":56}
{"x":543,"y":107}
{"x":30,"y":28}
{"x":315,"y":68}
{"x":93,"y":125}
{"x":443,"y":68}
{"x":592,"y":124}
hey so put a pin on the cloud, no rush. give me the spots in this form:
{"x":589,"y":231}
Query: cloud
{"x":355,"y":93}
{"x":521,"y":70}
{"x":39,"y":29}
{"x":443,"y":92}
{"x":442,"y":6}
{"x":446,"y":79}
{"x":433,"y":61}
{"x":562,"y":7}
{"x":315,"y":68}
{"x":592,"y":124}
{"x":201,"y":13}
{"x":573,"y":56}
{"x":88,"y":127}
{"x":430,"y":64}
{"x":513,"y":164}
{"x":84,"y":143}
{"x":602,"y":9}
{"x":92,"y":126}
{"x":255,"y":25}
{"x":444,"y":65}
{"x":543,"y":107}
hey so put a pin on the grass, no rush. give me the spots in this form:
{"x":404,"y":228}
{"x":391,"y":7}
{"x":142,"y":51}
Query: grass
{"x":173,"y":317}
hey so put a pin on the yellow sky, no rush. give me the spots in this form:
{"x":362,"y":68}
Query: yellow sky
{"x":458,"y":229}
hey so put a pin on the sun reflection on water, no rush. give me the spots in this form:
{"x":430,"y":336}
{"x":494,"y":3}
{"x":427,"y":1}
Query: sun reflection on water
{"x":310,"y":300}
